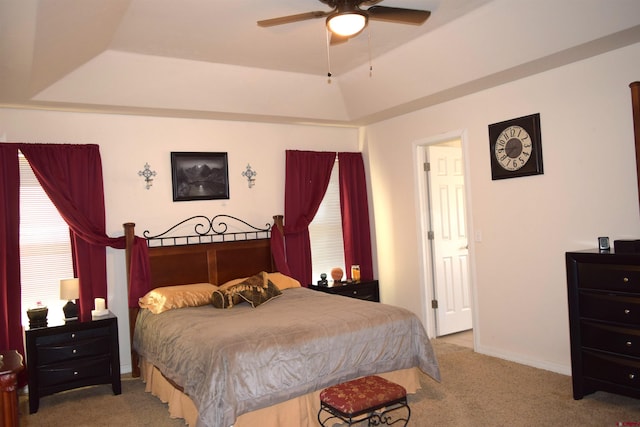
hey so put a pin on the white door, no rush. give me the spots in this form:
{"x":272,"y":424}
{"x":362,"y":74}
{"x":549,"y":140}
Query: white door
{"x":448,"y":237}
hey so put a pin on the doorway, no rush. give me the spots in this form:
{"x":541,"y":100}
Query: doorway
{"x":445,"y":236}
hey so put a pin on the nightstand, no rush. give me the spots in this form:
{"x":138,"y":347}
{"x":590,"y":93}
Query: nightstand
{"x":365,"y":290}
{"x":72,"y":355}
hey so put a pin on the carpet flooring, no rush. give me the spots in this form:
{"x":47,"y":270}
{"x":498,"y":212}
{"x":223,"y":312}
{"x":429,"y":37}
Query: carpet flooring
{"x":476,"y":390}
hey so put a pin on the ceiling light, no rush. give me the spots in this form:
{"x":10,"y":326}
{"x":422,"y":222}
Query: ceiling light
{"x":346,"y":23}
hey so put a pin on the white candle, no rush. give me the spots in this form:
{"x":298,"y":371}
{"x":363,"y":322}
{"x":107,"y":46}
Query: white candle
{"x":99,"y":304}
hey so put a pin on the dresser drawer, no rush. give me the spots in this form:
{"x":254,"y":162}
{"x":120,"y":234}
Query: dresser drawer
{"x":617,"y":370}
{"x":622,"y":278}
{"x":609,"y":338}
{"x":613,"y":308}
{"x":84,"y":348}
{"x":73,"y":371}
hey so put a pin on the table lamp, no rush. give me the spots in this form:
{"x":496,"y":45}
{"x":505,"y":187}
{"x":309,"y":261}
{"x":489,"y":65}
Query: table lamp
{"x":70,"y":290}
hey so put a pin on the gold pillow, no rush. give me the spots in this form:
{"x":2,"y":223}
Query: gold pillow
{"x":170,"y":297}
{"x":283,"y":282}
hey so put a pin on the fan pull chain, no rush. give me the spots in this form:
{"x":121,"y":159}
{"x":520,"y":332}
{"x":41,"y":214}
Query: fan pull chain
{"x":370,"y":63}
{"x":328,"y":57}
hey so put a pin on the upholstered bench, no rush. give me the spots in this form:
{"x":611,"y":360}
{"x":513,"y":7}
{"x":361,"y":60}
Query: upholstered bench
{"x":361,"y":399}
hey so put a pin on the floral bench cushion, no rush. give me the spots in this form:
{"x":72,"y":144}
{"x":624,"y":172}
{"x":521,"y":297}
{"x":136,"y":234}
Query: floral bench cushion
{"x":357,"y":396}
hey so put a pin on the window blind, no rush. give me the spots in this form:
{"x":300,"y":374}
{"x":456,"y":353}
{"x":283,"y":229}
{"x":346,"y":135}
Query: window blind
{"x":325,"y":232}
{"x":45,"y":248}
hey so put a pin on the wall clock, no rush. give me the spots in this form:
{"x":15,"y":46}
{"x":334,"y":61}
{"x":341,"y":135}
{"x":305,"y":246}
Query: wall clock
{"x":516,"y":147}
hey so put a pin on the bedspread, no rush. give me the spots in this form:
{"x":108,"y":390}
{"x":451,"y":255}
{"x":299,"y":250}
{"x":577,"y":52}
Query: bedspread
{"x":232,"y":361}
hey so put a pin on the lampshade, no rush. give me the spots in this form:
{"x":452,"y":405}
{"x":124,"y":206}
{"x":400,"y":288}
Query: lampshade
{"x":69,"y":289}
{"x":346,"y":23}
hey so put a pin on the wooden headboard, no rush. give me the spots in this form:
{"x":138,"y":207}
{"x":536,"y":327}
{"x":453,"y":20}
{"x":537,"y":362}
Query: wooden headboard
{"x":211,"y":253}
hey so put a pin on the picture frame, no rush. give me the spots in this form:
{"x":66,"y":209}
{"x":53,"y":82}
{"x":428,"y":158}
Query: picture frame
{"x":199,"y":176}
{"x":516,"y":147}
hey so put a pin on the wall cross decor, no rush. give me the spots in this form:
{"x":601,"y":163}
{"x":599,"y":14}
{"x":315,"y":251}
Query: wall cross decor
{"x":250,"y":174}
{"x":147,"y":173}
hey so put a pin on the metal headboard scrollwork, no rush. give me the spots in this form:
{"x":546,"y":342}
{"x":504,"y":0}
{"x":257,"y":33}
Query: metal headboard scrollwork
{"x":208,"y":230}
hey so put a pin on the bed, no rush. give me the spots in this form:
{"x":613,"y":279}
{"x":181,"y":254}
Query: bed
{"x":261,"y":361}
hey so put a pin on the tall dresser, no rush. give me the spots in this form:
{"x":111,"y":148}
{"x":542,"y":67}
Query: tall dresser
{"x":604,"y":322}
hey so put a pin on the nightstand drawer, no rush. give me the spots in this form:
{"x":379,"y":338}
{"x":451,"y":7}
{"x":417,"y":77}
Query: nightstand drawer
{"x":611,"y":308}
{"x":613,"y":339}
{"x":366,"y":294}
{"x":88,"y":347}
{"x":366,"y":290}
{"x":72,"y":336}
{"x":621,"y":278}
{"x":74,"y":371}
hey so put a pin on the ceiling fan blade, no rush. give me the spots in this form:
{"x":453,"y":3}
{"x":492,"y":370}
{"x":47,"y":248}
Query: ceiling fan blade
{"x":398,"y":15}
{"x":292,"y":18}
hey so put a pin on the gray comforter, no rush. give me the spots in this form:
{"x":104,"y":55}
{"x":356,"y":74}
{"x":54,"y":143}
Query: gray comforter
{"x":241,"y":359}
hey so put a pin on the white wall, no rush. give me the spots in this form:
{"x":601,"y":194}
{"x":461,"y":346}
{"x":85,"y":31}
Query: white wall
{"x":527,"y":224}
{"x":127,"y":142}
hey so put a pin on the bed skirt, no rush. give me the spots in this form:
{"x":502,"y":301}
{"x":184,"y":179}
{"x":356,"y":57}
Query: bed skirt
{"x":295,"y":412}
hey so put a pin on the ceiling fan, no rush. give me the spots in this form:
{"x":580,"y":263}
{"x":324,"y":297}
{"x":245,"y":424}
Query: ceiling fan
{"x":348,"y":20}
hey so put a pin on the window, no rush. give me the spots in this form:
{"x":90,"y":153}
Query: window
{"x":325,"y":232}
{"x":45,"y":247}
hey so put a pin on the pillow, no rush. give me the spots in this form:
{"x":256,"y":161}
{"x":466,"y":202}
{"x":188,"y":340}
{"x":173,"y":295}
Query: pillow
{"x":169,"y":297}
{"x":257,"y":295}
{"x":255,"y":290}
{"x":283,"y":282}
{"x":220,"y":298}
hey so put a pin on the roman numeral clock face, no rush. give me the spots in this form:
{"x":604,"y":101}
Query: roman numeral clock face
{"x":516,"y":147}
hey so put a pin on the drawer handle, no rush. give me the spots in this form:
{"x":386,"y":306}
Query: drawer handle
{"x":74,"y":351}
{"x":628,"y":343}
{"x":627,"y":311}
{"x":76,"y":373}
{"x":73,"y":335}
{"x":625,"y":280}
{"x":355,"y":292}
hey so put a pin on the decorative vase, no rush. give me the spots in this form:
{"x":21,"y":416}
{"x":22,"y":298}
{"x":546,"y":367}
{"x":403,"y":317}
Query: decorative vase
{"x":38,"y":316}
{"x":336,"y":274}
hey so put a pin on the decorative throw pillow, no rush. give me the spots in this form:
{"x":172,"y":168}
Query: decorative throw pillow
{"x":255,"y":290}
{"x":219,"y":296}
{"x":258,"y":295}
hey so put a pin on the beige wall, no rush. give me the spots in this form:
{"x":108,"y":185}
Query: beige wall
{"x":588,"y":190}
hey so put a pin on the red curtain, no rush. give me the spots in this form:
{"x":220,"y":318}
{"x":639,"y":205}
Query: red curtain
{"x":306,"y":182}
{"x":354,"y":207}
{"x":71,"y":175}
{"x":10,"y":310}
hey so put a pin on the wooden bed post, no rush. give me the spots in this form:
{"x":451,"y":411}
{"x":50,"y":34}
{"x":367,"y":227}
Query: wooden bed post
{"x":278,"y":220}
{"x":129,"y":236}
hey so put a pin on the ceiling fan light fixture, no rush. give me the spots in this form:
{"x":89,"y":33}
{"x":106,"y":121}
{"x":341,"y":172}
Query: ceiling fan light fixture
{"x":346,"y":23}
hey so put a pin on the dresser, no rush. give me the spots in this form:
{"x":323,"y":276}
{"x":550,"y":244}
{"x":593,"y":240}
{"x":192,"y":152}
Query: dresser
{"x":365,"y":290}
{"x":72,"y":355}
{"x":604,"y":322}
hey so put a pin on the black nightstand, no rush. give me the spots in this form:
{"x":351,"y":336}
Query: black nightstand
{"x":72,"y":355}
{"x":366,"y":290}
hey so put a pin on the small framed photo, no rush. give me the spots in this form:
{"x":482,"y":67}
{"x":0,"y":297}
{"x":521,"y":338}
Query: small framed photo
{"x":199,"y":176}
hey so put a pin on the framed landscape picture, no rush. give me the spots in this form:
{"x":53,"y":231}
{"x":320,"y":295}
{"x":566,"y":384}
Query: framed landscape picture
{"x":199,"y":176}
